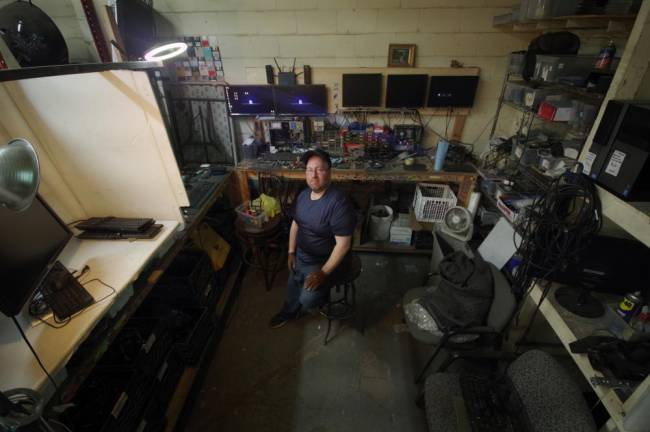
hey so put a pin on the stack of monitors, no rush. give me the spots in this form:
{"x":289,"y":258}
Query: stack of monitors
{"x":299,"y":100}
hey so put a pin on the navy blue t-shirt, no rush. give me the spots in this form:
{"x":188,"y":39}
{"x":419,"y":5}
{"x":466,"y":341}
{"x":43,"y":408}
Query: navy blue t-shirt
{"x":320,"y":220}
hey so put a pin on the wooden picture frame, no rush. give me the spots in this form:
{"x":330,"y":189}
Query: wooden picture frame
{"x":401,"y":55}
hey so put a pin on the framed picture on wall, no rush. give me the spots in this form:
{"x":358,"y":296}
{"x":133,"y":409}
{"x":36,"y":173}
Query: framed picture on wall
{"x":401,"y":55}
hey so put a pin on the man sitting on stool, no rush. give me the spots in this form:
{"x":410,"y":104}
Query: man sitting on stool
{"x":320,"y":240}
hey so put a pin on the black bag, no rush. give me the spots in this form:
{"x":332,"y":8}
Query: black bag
{"x":464,"y":295}
{"x":563,"y":43}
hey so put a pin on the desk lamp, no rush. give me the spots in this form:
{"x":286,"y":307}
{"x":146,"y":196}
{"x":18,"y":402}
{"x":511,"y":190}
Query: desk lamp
{"x":19,"y":174}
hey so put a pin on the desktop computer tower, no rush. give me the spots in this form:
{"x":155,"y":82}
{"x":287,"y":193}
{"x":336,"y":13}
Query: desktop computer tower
{"x":619,"y":157}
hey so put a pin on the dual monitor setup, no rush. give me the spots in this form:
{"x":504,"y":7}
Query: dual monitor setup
{"x":359,"y":90}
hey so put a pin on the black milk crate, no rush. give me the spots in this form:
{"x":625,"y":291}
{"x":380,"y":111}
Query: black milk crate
{"x":153,"y":417}
{"x":192,"y":330}
{"x":143,"y":343}
{"x":186,"y":279}
{"x":167,"y":377}
{"x":110,"y":400}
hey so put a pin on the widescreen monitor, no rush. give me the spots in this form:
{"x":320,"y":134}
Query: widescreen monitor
{"x":452,"y":91}
{"x":300,"y":100}
{"x":250,"y":100}
{"x":406,"y":91}
{"x":30,"y":242}
{"x":362,"y":90}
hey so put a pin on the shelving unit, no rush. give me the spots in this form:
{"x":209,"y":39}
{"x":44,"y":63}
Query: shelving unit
{"x":607,"y":23}
{"x":576,"y":93}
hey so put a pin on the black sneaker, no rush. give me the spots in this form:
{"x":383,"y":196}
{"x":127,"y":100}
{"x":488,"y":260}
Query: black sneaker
{"x":278,"y":320}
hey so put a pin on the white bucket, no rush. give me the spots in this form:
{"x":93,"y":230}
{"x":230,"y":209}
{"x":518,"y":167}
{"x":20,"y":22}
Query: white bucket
{"x":379,"y":226}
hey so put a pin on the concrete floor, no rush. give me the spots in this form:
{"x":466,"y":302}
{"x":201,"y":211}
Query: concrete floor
{"x":286,"y":379}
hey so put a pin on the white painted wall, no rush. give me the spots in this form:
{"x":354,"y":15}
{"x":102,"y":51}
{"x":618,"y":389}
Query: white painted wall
{"x":70,"y":24}
{"x":353,"y":33}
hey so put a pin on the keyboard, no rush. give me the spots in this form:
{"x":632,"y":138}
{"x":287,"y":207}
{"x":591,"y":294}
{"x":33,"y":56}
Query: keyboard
{"x":198,"y":192}
{"x":115,"y":224}
{"x":148,"y":233}
{"x":63,"y":293}
{"x":486,"y":410}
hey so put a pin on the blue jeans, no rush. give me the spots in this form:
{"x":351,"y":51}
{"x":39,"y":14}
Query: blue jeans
{"x":298,"y":297}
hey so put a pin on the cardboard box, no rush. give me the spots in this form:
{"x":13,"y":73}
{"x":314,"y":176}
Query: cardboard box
{"x":213,"y":244}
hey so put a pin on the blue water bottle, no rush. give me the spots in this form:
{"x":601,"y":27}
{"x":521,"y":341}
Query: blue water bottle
{"x":441,"y":154}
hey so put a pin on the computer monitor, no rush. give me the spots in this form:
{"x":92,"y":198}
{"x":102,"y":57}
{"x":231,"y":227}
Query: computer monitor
{"x":361,"y":90}
{"x":250,"y":100}
{"x":406,"y":91}
{"x":300,"y":100}
{"x":30,"y":242}
{"x":136,"y":23}
{"x":452,"y":91}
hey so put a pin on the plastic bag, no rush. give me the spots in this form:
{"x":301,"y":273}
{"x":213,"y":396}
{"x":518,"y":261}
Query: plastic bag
{"x":270,"y":205}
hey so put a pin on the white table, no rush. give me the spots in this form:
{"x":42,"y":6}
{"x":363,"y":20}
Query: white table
{"x":569,"y":328}
{"x":118,"y":263}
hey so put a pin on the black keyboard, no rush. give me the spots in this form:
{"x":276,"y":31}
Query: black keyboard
{"x":63,"y":293}
{"x":197,"y":193}
{"x":149,"y":233}
{"x":486,"y":410}
{"x":115,"y":224}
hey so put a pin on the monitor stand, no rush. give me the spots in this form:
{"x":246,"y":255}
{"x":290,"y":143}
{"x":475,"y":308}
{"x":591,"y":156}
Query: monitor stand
{"x":579,"y":301}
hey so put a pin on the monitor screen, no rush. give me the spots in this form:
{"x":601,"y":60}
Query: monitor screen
{"x":250,"y":100}
{"x":362,"y":90}
{"x":30,"y":242}
{"x":452,"y":91}
{"x":406,"y":91}
{"x":135,"y":21}
{"x":301,"y":100}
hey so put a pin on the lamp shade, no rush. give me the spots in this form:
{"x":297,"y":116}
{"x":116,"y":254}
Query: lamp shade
{"x":19,"y":174}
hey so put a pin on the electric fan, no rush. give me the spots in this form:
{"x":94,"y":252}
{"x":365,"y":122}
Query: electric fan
{"x":457,"y":223}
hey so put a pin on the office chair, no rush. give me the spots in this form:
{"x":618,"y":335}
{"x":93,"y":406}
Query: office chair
{"x":550,"y":400}
{"x":501,"y":309}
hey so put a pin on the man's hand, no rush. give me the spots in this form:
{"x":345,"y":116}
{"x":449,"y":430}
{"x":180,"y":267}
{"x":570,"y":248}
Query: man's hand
{"x":315,"y":280}
{"x":291,"y":262}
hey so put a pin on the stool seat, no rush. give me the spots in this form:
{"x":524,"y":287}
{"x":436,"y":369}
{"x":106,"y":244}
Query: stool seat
{"x":351,"y":275}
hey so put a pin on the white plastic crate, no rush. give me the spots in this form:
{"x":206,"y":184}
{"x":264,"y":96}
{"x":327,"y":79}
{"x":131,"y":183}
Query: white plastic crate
{"x":431,"y":201}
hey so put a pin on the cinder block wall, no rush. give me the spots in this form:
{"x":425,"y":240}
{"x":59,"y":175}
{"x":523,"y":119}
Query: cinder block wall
{"x":69,"y":23}
{"x":353,"y":33}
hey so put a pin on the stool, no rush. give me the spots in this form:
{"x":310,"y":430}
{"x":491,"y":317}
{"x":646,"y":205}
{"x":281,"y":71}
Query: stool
{"x":262,"y":243}
{"x":342,"y":308}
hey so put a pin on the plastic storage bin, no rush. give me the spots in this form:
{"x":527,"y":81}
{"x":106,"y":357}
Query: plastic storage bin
{"x":255,"y":220}
{"x":516,"y":63}
{"x":551,"y":68}
{"x":192,"y":330}
{"x":431,"y":201}
{"x":514,"y":93}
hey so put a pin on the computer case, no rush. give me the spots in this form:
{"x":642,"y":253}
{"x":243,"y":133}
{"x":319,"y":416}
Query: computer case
{"x":619,"y":157}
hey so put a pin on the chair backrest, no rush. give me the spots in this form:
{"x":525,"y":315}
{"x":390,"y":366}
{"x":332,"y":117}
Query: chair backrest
{"x":552,"y":400}
{"x":504,"y":302}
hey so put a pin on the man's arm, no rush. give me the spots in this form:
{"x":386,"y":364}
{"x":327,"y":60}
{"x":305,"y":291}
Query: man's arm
{"x":293,"y":234}
{"x":338,"y":253}
{"x":316,"y":279}
{"x":291,"y":255}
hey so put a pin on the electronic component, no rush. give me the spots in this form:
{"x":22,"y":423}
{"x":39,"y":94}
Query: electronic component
{"x":30,"y":242}
{"x":362,"y":90}
{"x":452,"y":91}
{"x":150,"y":232}
{"x":405,"y":91}
{"x":250,"y":100}
{"x":300,"y":100}
{"x":619,"y":158}
{"x":63,"y":293}
{"x":115,"y":224}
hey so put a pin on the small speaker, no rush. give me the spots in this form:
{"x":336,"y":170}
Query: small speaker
{"x":270,"y":78}
{"x":307,"y":73}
